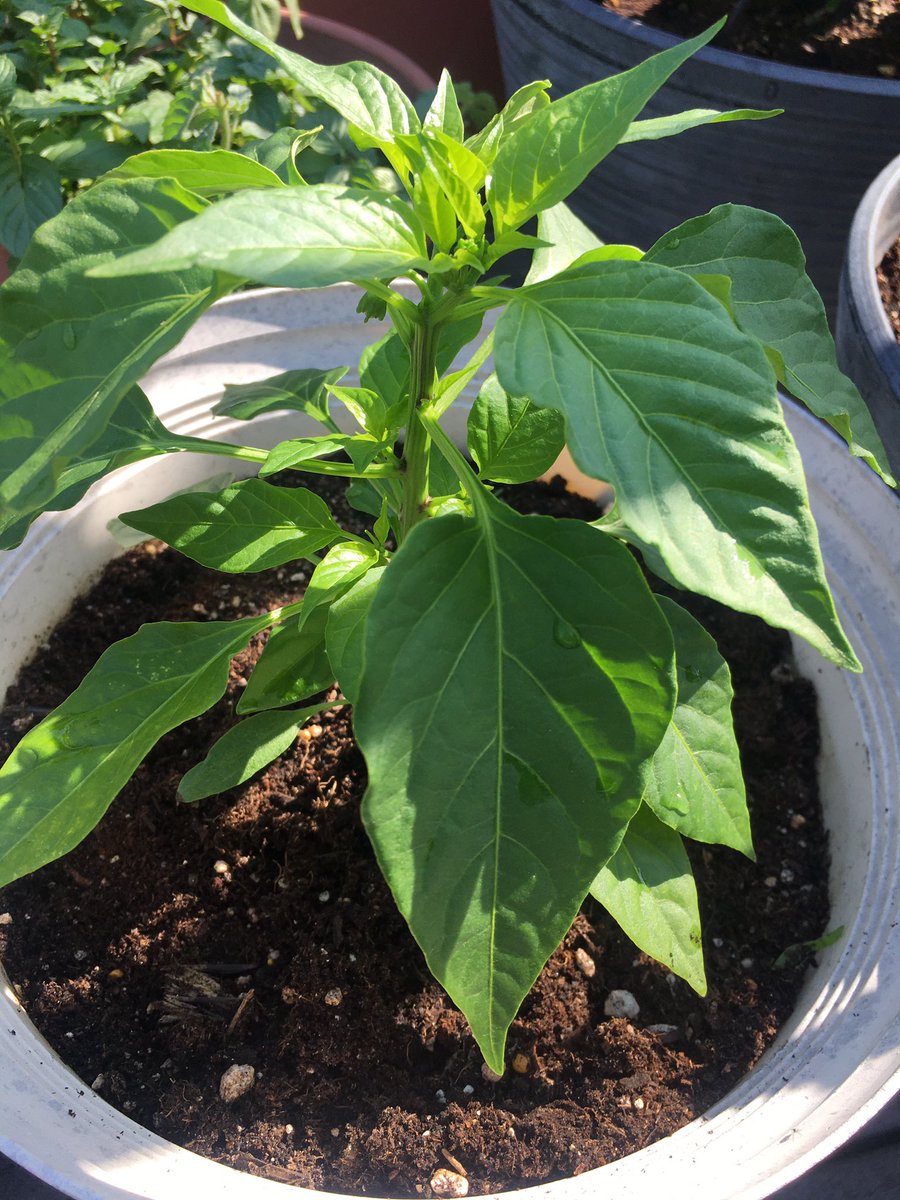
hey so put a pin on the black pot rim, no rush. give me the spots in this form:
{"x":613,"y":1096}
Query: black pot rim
{"x":748,"y":64}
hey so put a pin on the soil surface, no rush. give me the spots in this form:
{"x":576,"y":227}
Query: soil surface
{"x":856,"y":37}
{"x":889,"y":283}
{"x":254,"y":929}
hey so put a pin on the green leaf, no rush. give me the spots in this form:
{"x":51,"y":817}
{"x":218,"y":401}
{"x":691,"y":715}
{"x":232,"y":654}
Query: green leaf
{"x":244,"y":750}
{"x":304,"y":390}
{"x":133,"y":433}
{"x":249,"y":526}
{"x":546,"y":157}
{"x":301,"y":453}
{"x":345,"y":631}
{"x":460,"y":175}
{"x":7,"y":80}
{"x":30,"y":193}
{"x":292,"y":667}
{"x":294,"y":664}
{"x":648,"y":888}
{"x":72,"y":348}
{"x":568,"y":239}
{"x":663,"y":127}
{"x":518,"y":108}
{"x":262,"y":15}
{"x":666,"y":400}
{"x":364,"y":95}
{"x":65,"y":773}
{"x":443,"y":113}
{"x":510,"y":438}
{"x":794,"y":954}
{"x":294,"y":237}
{"x":494,"y":791}
{"x":206,"y":172}
{"x":774,"y":301}
{"x":695,"y":784}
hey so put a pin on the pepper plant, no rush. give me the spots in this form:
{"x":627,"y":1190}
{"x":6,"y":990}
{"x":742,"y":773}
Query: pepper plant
{"x":536,"y":723}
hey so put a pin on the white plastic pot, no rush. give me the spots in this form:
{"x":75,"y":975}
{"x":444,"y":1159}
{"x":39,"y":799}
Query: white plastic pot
{"x":838,"y":1059}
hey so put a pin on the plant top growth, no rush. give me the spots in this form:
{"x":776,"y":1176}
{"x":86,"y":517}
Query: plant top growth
{"x":536,"y":723}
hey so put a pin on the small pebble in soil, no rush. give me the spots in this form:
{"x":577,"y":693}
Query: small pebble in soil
{"x":770,"y":881}
{"x":638,"y":1102}
{"x":236,"y":1082}
{"x":520,"y":1064}
{"x":586,"y":964}
{"x":6,"y":919}
{"x":445,"y":1182}
{"x":468,"y":1090}
{"x":620,"y":1003}
{"x":220,"y":867}
{"x":324,"y":897}
{"x":488,"y":1074}
{"x":798,"y":821}
{"x":333,"y":997}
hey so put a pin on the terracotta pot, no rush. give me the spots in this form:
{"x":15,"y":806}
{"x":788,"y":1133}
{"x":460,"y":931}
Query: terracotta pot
{"x":332,"y":42}
{"x":810,"y":166}
{"x":836,"y":1061}
{"x":457,"y":36}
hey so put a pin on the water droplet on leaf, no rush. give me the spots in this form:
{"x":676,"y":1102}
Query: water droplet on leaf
{"x":566,"y":635}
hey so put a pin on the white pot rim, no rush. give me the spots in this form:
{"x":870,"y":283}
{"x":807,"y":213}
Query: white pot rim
{"x":838,"y":1059}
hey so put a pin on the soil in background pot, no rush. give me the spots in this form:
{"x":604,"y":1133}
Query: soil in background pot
{"x":889,"y":284}
{"x":255,"y":929}
{"x":856,"y":37}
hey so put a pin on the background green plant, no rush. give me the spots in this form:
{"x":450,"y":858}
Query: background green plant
{"x":84,"y":84}
{"x":536,"y":723}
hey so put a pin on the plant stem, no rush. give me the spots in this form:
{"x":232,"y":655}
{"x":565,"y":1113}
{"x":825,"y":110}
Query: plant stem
{"x":415,"y":450}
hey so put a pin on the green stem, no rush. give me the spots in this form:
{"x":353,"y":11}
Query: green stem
{"x":474,"y":489}
{"x":423,"y":353}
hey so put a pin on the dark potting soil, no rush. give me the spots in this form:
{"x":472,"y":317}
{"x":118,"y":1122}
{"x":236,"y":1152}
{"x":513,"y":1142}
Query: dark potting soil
{"x":856,"y":37}
{"x":889,"y":283}
{"x":255,"y":928}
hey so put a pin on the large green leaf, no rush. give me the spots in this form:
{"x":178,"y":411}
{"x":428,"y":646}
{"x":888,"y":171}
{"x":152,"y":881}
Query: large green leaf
{"x":511,"y":439}
{"x":207,"y":172}
{"x":305,"y":390}
{"x":64,"y":774}
{"x":294,"y":664}
{"x":368,"y":98}
{"x":494,"y":790}
{"x":244,"y":750}
{"x":295,"y":237}
{"x":666,"y":400}
{"x":648,"y":888}
{"x":72,"y":347}
{"x":547,"y":156}
{"x":30,"y":193}
{"x":249,"y":526}
{"x":695,"y":784}
{"x":345,"y":631}
{"x":775,"y":301}
{"x":133,"y":433}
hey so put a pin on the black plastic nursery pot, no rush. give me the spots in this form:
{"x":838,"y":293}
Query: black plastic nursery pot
{"x":810,"y":166}
{"x":866,"y":343}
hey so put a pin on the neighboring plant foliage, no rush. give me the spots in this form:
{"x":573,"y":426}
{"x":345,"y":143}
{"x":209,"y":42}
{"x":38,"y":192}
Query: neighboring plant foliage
{"x":536,"y":723}
{"x":86,"y":84}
